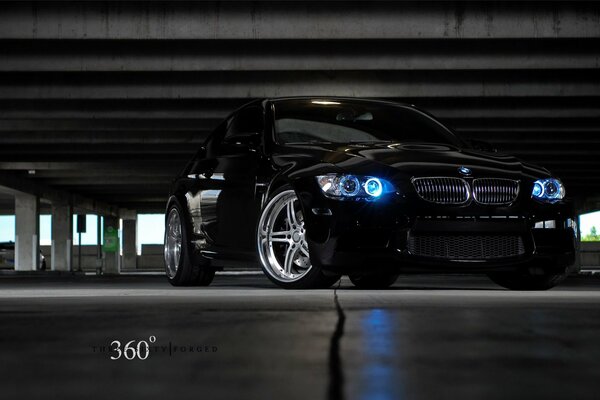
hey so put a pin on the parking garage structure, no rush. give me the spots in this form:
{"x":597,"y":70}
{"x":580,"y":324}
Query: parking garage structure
{"x":101,"y":106}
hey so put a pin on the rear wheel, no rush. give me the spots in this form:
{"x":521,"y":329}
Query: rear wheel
{"x":528,"y":279}
{"x":373,"y":281}
{"x":180,"y":269}
{"x":282,"y":246}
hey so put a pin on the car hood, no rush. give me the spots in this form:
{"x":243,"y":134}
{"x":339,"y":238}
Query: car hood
{"x":416,"y":159}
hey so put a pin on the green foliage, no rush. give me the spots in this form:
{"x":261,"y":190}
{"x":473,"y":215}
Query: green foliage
{"x":592,"y":236}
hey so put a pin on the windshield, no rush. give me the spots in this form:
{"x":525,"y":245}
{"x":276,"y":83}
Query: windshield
{"x":301,"y":121}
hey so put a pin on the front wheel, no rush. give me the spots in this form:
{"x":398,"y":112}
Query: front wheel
{"x":526,"y":280}
{"x":180,"y":269}
{"x":282,"y":246}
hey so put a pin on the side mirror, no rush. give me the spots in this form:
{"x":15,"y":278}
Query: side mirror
{"x":482,"y":146}
{"x":243,"y":139}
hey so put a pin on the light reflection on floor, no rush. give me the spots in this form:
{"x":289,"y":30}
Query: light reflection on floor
{"x":380,"y":374}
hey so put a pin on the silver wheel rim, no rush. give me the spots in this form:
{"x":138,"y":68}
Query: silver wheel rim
{"x":281,"y":239}
{"x":173,"y":241}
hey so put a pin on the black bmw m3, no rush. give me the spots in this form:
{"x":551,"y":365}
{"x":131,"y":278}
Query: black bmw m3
{"x":316,"y":188}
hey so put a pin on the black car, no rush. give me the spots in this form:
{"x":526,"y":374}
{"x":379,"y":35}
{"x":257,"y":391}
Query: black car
{"x":316,"y":188}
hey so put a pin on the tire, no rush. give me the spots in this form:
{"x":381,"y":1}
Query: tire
{"x":282,"y":247}
{"x":526,"y":280}
{"x":373,"y":281}
{"x":179,"y":267}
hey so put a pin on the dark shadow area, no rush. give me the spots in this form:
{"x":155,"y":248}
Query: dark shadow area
{"x":424,"y":282}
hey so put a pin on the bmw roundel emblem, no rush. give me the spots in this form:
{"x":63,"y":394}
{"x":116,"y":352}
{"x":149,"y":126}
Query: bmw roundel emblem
{"x":464,"y":170}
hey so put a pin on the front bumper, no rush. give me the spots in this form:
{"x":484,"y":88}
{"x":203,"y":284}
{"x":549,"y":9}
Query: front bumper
{"x":351,"y":236}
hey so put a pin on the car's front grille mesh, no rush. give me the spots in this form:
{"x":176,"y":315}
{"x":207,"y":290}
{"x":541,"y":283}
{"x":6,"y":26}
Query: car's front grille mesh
{"x":495,"y":190}
{"x":466,"y":247}
{"x":451,"y":190}
{"x":442,"y":190}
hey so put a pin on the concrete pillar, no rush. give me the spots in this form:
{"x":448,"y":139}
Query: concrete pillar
{"x":27,"y":242}
{"x":98,"y":244}
{"x":111,"y":259}
{"x":62,"y":236}
{"x":130,"y":243}
{"x":577,"y":267}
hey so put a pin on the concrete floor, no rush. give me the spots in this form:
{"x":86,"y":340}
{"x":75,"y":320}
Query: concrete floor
{"x":429,"y":337}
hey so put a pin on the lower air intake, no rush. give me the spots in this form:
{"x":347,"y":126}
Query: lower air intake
{"x":466,"y":247}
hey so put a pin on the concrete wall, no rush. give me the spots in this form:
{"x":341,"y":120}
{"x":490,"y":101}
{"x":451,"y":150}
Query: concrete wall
{"x":297,"y":20}
{"x":590,"y":255}
{"x":151,"y":258}
{"x":88,"y":257}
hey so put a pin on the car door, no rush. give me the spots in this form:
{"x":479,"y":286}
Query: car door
{"x":227,"y":204}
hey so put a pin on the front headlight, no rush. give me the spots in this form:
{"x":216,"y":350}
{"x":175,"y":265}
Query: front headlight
{"x":353,"y":187}
{"x":548,"y":190}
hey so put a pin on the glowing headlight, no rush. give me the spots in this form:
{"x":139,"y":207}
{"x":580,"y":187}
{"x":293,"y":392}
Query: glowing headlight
{"x":548,"y":190}
{"x":349,"y":185}
{"x":346,"y":187}
{"x":373,"y":187}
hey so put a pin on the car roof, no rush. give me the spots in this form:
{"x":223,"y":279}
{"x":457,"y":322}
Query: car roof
{"x":340,"y":98}
{"x":265,"y":100}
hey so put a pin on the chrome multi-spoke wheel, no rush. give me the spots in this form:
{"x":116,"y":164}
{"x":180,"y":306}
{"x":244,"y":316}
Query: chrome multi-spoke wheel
{"x":281,"y":239}
{"x":173,"y":240}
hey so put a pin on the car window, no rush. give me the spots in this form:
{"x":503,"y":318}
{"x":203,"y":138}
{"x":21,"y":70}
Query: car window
{"x":345,"y":121}
{"x":214,"y":140}
{"x":292,"y":130}
{"x":247,"y":120}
